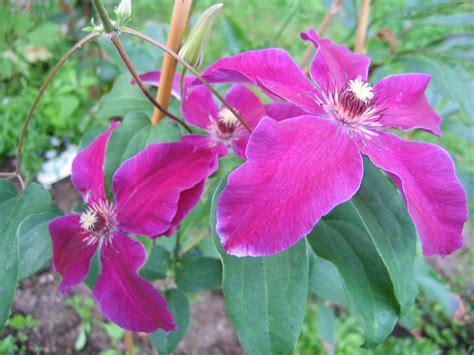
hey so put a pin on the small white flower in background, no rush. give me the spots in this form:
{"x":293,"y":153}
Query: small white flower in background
{"x":57,"y":168}
{"x":37,"y":54}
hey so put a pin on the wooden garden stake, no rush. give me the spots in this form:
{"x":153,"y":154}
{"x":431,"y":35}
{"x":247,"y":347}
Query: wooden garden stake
{"x":179,"y":20}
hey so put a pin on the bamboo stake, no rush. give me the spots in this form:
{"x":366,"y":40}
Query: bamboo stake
{"x":362,"y":26}
{"x":178,"y":24}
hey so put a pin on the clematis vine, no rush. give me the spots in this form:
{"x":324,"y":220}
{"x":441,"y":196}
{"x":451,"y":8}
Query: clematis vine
{"x":223,"y":129}
{"x":153,"y":191}
{"x":299,"y":169}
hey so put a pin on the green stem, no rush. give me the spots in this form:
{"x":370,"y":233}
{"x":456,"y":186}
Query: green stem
{"x":181,"y":83}
{"x":104,"y":18}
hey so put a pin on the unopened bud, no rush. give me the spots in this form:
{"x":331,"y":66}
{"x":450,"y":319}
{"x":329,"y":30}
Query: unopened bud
{"x":195,"y":43}
{"x":124,"y":11}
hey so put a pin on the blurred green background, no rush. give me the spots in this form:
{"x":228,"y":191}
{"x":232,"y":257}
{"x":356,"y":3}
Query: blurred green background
{"x":432,"y":36}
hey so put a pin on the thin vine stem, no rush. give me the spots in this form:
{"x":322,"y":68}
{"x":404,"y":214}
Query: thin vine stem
{"x":43,"y":88}
{"x":118,"y":46}
{"x":189,"y":67}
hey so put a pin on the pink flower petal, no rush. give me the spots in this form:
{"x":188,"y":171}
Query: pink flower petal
{"x":424,"y":173}
{"x":72,"y":253}
{"x":153,"y":78}
{"x":199,"y":107}
{"x":334,"y":65}
{"x":88,"y":168}
{"x":297,"y":171}
{"x":147,"y":186}
{"x":187,"y":201}
{"x":280,"y":111}
{"x":124,"y":297}
{"x":405,"y":105}
{"x":206,"y":142}
{"x":273,"y":69}
{"x":247,"y":104}
{"x":239,"y":145}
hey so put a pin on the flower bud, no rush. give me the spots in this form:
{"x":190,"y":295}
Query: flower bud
{"x":123,"y":13}
{"x":125,"y":9}
{"x":192,"y":50}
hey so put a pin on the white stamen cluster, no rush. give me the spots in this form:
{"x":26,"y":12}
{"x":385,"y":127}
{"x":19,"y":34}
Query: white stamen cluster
{"x":88,"y":219}
{"x":361,"y":89}
{"x":354,"y":105}
{"x":100,"y":221}
{"x":227,"y":117}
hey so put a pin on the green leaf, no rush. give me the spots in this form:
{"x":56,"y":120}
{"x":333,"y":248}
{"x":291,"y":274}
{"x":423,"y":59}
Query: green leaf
{"x":13,"y":211}
{"x":372,"y":241}
{"x":131,"y":137}
{"x":198,"y":273}
{"x":94,"y":270}
{"x":325,"y":280}
{"x":35,"y":242}
{"x":179,"y":307}
{"x":156,"y":265}
{"x":226,"y":165}
{"x":266,"y":296}
{"x":122,"y":99}
{"x":7,"y":190}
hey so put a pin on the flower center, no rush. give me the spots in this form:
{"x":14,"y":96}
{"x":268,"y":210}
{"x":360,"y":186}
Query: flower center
{"x":99,"y":220}
{"x":227,"y":118}
{"x":355,"y":106}
{"x":361,"y":90}
{"x":227,"y":125}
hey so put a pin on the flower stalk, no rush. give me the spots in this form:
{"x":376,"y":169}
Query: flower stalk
{"x":104,"y":17}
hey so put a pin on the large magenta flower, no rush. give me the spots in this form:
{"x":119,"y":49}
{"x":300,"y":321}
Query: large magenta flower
{"x":223,"y":129}
{"x":153,"y":191}
{"x":299,"y":169}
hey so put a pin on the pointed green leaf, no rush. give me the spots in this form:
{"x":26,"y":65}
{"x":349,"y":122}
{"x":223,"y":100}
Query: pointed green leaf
{"x":198,"y":273}
{"x":156,"y":264}
{"x":35,"y":242}
{"x":372,"y":241}
{"x":325,"y":280}
{"x":266,"y":296}
{"x":179,"y":306}
{"x":13,"y":211}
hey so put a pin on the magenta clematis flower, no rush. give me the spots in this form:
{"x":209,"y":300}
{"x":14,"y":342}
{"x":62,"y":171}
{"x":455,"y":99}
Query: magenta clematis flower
{"x":299,"y":169}
{"x":152,"y":191}
{"x":223,"y":129}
